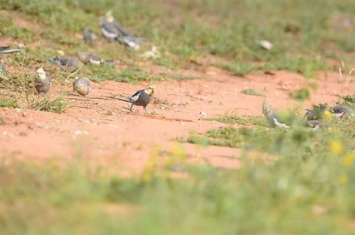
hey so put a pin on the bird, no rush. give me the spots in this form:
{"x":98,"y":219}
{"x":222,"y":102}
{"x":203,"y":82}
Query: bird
{"x":88,"y":36}
{"x":65,"y":63}
{"x":113,"y":31}
{"x":315,"y":124}
{"x":316,"y":113}
{"x":271,"y":116}
{"x":42,"y":82}
{"x":7,"y":50}
{"x":89,"y":57}
{"x":82,"y":86}
{"x":140,"y":98}
{"x":323,"y":110}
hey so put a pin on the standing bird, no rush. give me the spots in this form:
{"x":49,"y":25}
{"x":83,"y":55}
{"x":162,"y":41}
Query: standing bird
{"x":314,"y":124}
{"x":113,"y":31}
{"x":42,"y":82}
{"x":141,"y":98}
{"x":66,"y":63}
{"x":82,"y":86}
{"x":271,"y":116}
{"x":88,"y":36}
{"x":89,"y":57}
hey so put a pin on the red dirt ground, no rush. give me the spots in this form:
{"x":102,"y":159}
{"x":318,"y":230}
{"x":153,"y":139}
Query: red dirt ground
{"x":102,"y":130}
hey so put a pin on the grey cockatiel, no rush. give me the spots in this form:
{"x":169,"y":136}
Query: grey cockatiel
{"x":42,"y":82}
{"x":318,"y":112}
{"x":112,"y":31}
{"x":82,"y":86}
{"x":141,"y":97}
{"x":65,"y":63}
{"x":88,"y":36}
{"x":271,"y":116}
{"x":315,"y":124}
{"x":89,"y":57}
{"x":341,"y":111}
{"x":7,"y":50}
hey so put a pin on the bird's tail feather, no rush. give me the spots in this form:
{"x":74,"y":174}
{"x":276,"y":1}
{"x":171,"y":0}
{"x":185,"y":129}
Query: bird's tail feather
{"x":124,"y":99}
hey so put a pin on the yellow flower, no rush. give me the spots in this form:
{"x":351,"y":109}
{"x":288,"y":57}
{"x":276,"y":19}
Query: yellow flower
{"x":336,"y":147}
{"x":327,"y":114}
{"x":348,"y":160}
{"x":343,"y":179}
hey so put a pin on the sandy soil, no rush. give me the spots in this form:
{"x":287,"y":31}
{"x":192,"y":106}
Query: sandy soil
{"x":102,"y":130}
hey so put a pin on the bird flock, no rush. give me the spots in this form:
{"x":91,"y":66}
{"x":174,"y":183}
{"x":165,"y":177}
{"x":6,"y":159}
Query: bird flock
{"x":312,"y":117}
{"x":112,"y":31}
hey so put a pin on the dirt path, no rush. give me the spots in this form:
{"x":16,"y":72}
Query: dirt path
{"x":102,"y":130}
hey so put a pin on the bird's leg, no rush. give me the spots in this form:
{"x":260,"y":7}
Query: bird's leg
{"x":145,"y":109}
{"x":130,"y":108}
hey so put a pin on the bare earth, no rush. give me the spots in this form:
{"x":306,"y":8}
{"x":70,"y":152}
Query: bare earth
{"x":103,"y":131}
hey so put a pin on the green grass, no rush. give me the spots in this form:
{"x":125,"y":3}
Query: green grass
{"x":9,"y":103}
{"x":296,"y":181}
{"x":56,"y":105}
{"x":252,"y":92}
{"x":233,"y":118}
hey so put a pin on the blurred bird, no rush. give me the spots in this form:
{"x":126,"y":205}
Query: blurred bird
{"x":323,"y":110}
{"x":271,"y":116}
{"x":316,"y":113}
{"x":42,"y":82}
{"x":315,"y":124}
{"x":113,"y":31}
{"x":88,"y":36}
{"x":65,"y":63}
{"x":141,"y":98}
{"x":7,"y":50}
{"x":89,"y":57}
{"x":82,"y":86}
{"x":339,"y":111}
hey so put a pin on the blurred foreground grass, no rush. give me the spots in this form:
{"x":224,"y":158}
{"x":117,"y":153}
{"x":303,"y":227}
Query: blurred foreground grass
{"x":290,"y":182}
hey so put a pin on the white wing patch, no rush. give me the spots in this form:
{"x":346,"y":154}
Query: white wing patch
{"x":136,"y":97}
{"x":278,"y":124}
{"x":108,"y":34}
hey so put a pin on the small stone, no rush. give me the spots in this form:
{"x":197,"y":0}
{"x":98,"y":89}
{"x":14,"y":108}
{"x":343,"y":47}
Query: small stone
{"x":203,"y":113}
{"x":265,"y":44}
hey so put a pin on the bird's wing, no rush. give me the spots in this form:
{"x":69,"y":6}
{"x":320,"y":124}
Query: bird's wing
{"x":136,"y":96}
{"x":279,"y":124}
{"x":122,"y":31}
{"x":109,"y":29}
{"x":124,"y":99}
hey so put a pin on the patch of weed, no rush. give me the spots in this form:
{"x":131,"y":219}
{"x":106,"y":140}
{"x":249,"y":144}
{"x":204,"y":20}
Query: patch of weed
{"x":252,"y":92}
{"x":9,"y":103}
{"x":58,"y":105}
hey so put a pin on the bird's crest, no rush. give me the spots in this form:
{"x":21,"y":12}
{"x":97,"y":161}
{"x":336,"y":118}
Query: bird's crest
{"x":109,"y":17}
{"x":41,"y":73}
{"x":150,"y":89}
{"x":266,"y":107}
